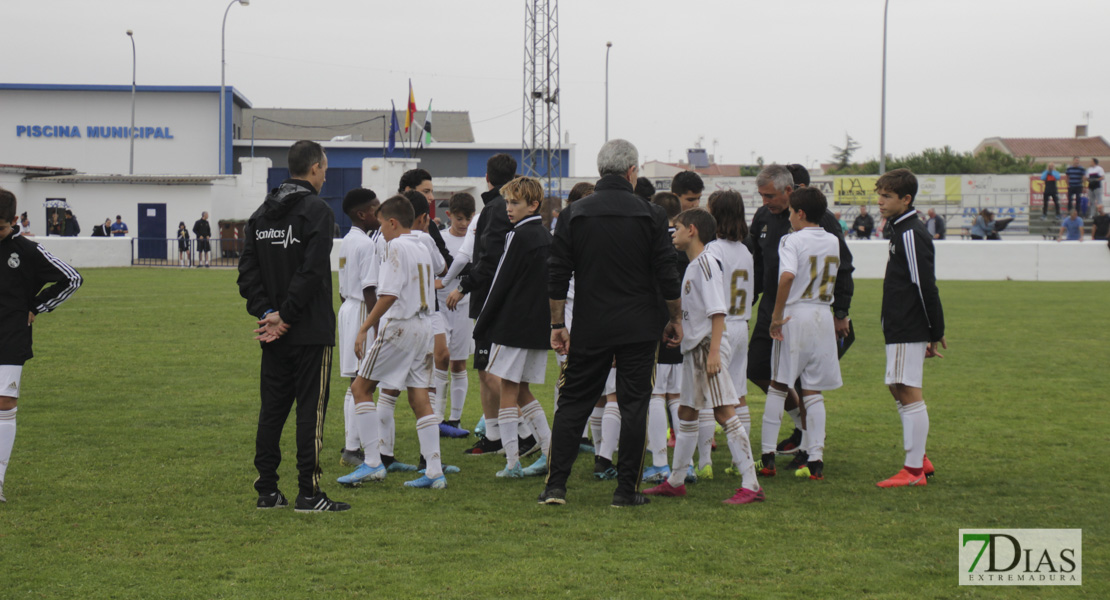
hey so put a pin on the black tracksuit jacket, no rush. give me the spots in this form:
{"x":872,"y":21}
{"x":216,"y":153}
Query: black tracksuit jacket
{"x":516,"y":311}
{"x":489,"y":243}
{"x":911,"y":302}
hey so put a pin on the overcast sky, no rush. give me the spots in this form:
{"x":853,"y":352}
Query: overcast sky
{"x":771,"y":78}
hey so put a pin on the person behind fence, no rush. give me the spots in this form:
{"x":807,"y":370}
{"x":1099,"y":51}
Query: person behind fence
{"x":863,"y":225}
{"x":1071,"y":228}
{"x":983,"y":227}
{"x":1075,"y":174}
{"x":1050,"y":176}
{"x":936,"y":225}
{"x":1095,"y":176}
{"x":1101,"y":229}
{"x":72,"y":228}
{"x":56,"y":226}
{"x":203,"y":231}
{"x":119,"y":228}
{"x":25,"y":226}
{"x":104,"y":229}
{"x":182,"y":244}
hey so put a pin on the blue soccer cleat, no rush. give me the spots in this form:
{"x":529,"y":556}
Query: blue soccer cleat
{"x":447,"y":470}
{"x":537,"y":468}
{"x":515,"y":472}
{"x":438,"y":483}
{"x":656,"y":474}
{"x":362,"y":474}
{"x":691,"y":476}
{"x":450,"y":431}
{"x":400,"y":467}
{"x":480,"y":428}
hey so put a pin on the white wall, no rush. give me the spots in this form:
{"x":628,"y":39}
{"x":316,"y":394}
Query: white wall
{"x":997,"y":260}
{"x":89,"y":252}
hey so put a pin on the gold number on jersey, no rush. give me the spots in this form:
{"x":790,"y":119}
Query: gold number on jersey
{"x":828,"y":279}
{"x":423,"y":298}
{"x":812,"y":278}
{"x":738,"y":301}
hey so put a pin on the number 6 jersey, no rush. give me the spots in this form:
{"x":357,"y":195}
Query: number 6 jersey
{"x":813,"y":256}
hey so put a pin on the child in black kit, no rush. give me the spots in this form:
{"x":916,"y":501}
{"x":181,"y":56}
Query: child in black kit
{"x":515,"y":318}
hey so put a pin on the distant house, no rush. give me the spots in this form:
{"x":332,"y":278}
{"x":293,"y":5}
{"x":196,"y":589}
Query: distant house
{"x":1057,"y":150}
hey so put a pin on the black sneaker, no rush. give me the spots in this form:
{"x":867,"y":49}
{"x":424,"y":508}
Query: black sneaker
{"x":319,"y":503}
{"x":553,"y":496}
{"x":766,"y":465}
{"x":272,"y":500}
{"x":528,"y":446}
{"x":351,"y":458}
{"x":791,"y":444}
{"x":800,"y":460}
{"x":604,"y":469}
{"x":636,"y":499}
{"x":485,"y":446}
{"x":814,"y":470}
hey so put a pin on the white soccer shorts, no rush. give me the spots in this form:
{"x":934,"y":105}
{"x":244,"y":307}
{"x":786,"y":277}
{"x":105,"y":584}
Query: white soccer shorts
{"x":10,"y":376}
{"x":808,"y":349}
{"x":521,"y":365}
{"x":401,"y":355}
{"x":460,"y":334}
{"x":351,"y":315}
{"x":737,"y":332}
{"x":668,"y":379}
{"x":439,"y":323}
{"x":905,"y":363}
{"x":701,"y":390}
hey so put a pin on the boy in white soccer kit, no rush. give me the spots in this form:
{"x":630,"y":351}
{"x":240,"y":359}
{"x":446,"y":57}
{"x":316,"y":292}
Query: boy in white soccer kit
{"x":804,"y":338}
{"x":401,"y":355}
{"x":460,"y":328}
{"x":356,"y":259}
{"x":706,"y":382}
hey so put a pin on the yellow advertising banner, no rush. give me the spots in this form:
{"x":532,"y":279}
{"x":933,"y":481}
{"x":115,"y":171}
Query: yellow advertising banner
{"x":856,"y":189}
{"x":931,"y":188}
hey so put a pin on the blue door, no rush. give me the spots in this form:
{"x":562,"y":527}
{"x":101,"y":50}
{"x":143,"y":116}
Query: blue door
{"x":338,"y":182}
{"x":152,"y":231}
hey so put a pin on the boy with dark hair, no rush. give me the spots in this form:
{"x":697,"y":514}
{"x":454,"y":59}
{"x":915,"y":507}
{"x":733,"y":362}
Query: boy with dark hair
{"x":913,"y":319}
{"x":579,"y":191}
{"x":460,"y":328}
{"x":688,"y":186}
{"x":644,"y":188}
{"x":669,"y":202}
{"x":806,"y":349}
{"x":515,"y":320}
{"x":27,"y":269}
{"x":705,"y":357}
{"x":356,"y":292}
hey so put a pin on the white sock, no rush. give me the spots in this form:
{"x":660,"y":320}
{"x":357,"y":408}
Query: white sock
{"x":657,"y":431}
{"x":815,"y":426}
{"x":508,"y":419}
{"x":388,"y":430}
{"x":745,"y":415}
{"x":796,"y":416}
{"x":595,"y":427}
{"x":610,"y":430}
{"x":672,"y":407}
{"x":707,"y":426}
{"x":7,"y":439}
{"x":534,"y":415}
{"x":441,"y":378}
{"x":523,"y":428}
{"x":493,"y":430}
{"x":367,"y":424}
{"x":459,"y":384}
{"x":915,"y":431}
{"x":350,"y":428}
{"x":741,"y":448}
{"x":427,"y":431}
{"x":772,"y":419}
{"x":686,"y":438}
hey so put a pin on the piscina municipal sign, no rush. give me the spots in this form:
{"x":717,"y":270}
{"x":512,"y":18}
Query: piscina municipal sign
{"x":92,"y":131}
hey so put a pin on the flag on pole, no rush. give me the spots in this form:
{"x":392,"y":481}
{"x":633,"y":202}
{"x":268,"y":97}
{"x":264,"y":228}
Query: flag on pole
{"x":410,"y":112}
{"x":394,"y":128}
{"x":428,"y":125}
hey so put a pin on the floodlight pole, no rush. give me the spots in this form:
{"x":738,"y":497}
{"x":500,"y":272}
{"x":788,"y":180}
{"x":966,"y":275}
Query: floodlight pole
{"x":223,"y":67}
{"x":882,"y":126}
{"x":608,"y":46}
{"x":131,"y":132}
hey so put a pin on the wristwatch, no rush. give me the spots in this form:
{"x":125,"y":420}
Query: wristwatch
{"x":840,"y":313}
{"x":558,"y":326}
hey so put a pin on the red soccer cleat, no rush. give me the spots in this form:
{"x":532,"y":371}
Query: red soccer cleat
{"x":927,"y":467}
{"x":903,"y":479}
{"x":666,"y":489}
{"x":746,"y":496}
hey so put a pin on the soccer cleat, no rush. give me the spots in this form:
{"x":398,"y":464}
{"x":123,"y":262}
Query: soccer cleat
{"x":705,"y":472}
{"x":713,"y":445}
{"x":319,"y":503}
{"x":814,"y":469}
{"x":791,"y":444}
{"x":514,"y":472}
{"x":604,"y":469}
{"x":362,"y":474}
{"x":447,"y":470}
{"x":537,"y":468}
{"x":424,"y":481}
{"x":458,"y":425}
{"x":733,"y":470}
{"x":480,"y":428}
{"x":400,"y":467}
{"x":767,"y":465}
{"x":670,"y":438}
{"x":902,"y":478}
{"x":927,"y":466}
{"x":666,"y":489}
{"x":450,"y":431}
{"x":351,"y":458}
{"x":585,"y":446}
{"x":656,"y":474}
{"x":746,"y":496}
{"x":691,"y":475}
{"x":553,"y":496}
{"x":801,"y":458}
{"x":528,"y":446}
{"x":265,"y":501}
{"x":636,"y":499}
{"x":485,"y":446}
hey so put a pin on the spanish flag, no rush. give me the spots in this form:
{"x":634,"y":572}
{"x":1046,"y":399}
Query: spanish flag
{"x":410,"y":112}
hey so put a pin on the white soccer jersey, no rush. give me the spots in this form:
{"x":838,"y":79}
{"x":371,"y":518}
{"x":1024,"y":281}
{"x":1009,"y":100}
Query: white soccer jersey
{"x":407,"y":274}
{"x":703,"y":295}
{"x":738,"y":269}
{"x":813,"y":256}
{"x":437,"y":259}
{"x":471,"y":232}
{"x":378,"y":242}
{"x":355,"y":258}
{"x":454,"y":244}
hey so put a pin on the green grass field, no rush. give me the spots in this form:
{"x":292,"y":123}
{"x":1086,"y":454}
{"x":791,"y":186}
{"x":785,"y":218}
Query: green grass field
{"x":132,"y":471}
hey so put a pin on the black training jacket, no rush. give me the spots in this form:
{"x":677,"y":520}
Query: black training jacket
{"x":617,"y":248}
{"x":202,"y":229}
{"x":516,"y":312}
{"x":489,"y":242}
{"x":25,"y":268}
{"x":911,"y":301}
{"x":286,"y":263}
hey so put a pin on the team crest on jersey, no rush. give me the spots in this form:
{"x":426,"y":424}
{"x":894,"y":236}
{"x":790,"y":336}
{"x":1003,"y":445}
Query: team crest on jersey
{"x":13,"y":261}
{"x":688,"y":287}
{"x":892,"y":251}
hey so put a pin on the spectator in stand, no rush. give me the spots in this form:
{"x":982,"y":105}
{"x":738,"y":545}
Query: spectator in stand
{"x":102,"y":230}
{"x":1095,"y":175}
{"x":71,"y":227}
{"x":840,"y":219}
{"x":119,"y":228}
{"x":1076,"y":174}
{"x":983,"y":227}
{"x":936,"y":225}
{"x":56,"y":225}
{"x":1050,"y":176}
{"x":1101,"y":229}
{"x":863,"y":225}
{"x":25,"y":226}
{"x":1072,"y":227}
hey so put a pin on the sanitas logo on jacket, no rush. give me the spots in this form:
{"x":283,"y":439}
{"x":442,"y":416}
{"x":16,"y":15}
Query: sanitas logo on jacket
{"x":278,"y":237}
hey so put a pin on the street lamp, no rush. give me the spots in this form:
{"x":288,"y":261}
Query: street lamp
{"x":131,"y":132}
{"x":223,"y":65}
{"x":608,"y":45}
{"x":882,"y":126}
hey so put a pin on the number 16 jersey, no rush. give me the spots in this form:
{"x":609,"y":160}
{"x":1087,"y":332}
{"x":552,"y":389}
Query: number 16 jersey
{"x":813,"y":256}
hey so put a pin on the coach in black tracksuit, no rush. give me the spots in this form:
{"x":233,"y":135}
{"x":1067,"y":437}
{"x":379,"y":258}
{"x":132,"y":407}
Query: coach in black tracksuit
{"x":285,"y":275}
{"x":617,"y":248}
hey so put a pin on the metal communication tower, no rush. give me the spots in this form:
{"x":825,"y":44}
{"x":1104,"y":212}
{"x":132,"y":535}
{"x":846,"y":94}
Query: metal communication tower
{"x":541,"y":151}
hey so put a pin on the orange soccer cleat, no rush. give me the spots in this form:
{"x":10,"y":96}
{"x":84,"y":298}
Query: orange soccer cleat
{"x":927,"y":467}
{"x":901,"y":479}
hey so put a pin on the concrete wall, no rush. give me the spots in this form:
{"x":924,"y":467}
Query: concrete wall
{"x":996,"y":261}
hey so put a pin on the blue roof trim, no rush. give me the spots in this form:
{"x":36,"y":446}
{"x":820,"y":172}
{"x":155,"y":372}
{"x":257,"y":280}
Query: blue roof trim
{"x":240,"y":99}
